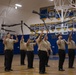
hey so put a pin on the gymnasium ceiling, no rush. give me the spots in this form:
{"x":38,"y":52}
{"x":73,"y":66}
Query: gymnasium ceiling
{"x":11,"y":15}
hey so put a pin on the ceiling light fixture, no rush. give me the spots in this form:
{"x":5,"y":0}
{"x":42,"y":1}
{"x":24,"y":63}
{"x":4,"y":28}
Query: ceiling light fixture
{"x":18,"y":5}
{"x":51,"y":0}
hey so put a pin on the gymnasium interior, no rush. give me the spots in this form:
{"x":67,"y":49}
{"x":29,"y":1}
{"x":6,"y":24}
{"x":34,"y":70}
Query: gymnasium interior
{"x":28,"y":18}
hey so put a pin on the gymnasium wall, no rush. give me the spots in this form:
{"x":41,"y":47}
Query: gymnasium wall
{"x":52,"y":39}
{"x":35,"y":19}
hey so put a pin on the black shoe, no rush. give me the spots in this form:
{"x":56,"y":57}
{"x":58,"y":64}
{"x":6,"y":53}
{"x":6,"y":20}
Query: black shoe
{"x":47,"y":66}
{"x":61,"y":70}
{"x":11,"y":70}
{"x":30,"y":67}
{"x":23,"y":64}
{"x":71,"y":67}
{"x":7,"y":70}
{"x":41,"y":72}
{"x":45,"y":72}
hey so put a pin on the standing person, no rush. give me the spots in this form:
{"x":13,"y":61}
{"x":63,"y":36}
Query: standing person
{"x":61,"y":51}
{"x":42,"y":53}
{"x":48,"y":48}
{"x":22,"y":51}
{"x":30,"y":53}
{"x":71,"y":50}
{"x":9,"y":46}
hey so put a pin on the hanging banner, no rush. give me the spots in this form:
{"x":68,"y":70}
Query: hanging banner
{"x":70,"y":27}
{"x":55,"y":27}
{"x":58,"y":27}
{"x":41,"y":27}
{"x":37,"y":27}
{"x":43,"y":11}
{"x":70,"y":14}
{"x":50,"y":12}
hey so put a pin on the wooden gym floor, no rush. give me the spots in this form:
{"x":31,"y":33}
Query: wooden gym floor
{"x":22,"y":70}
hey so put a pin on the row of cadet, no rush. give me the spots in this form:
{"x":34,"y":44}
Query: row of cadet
{"x":44,"y":51}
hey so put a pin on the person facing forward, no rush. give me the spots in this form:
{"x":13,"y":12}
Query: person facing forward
{"x":22,"y":51}
{"x":42,"y":53}
{"x":9,"y":46}
{"x":30,"y":53}
{"x":61,"y":51}
{"x":71,"y":50}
